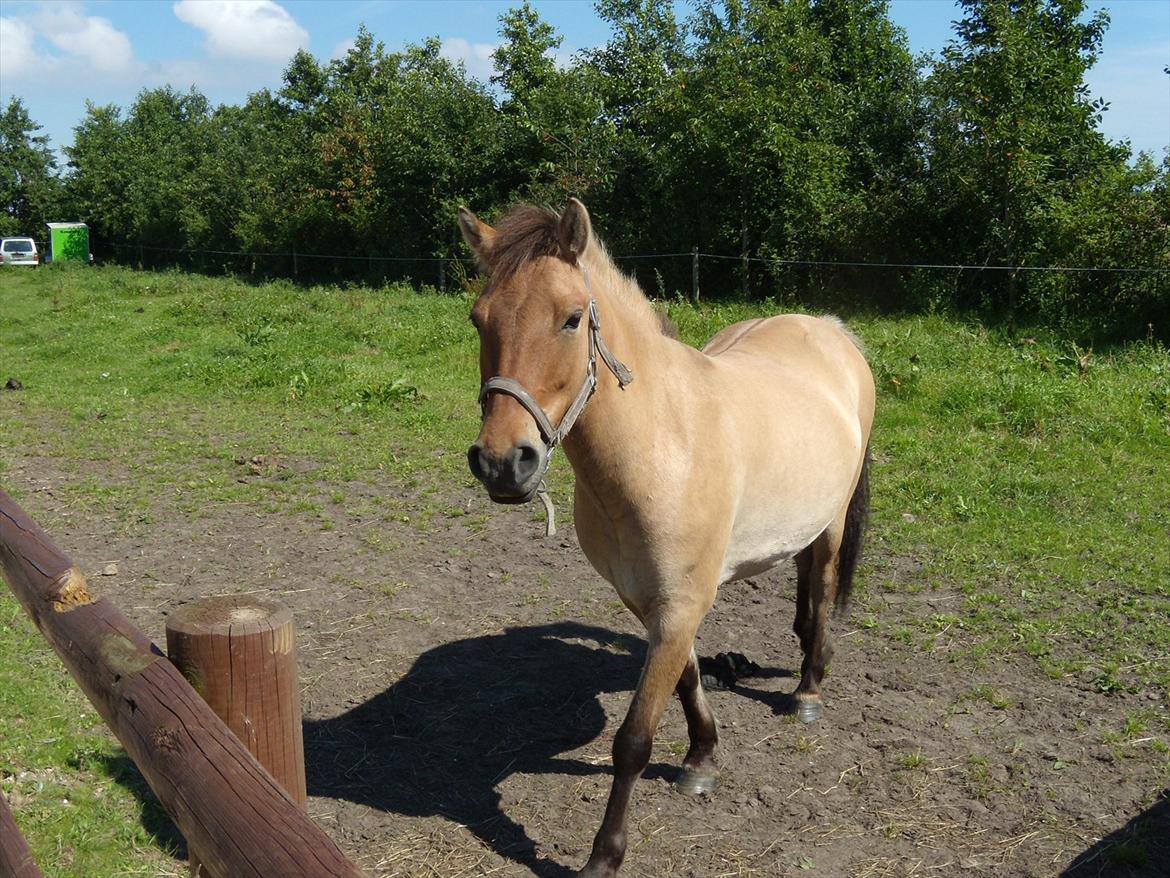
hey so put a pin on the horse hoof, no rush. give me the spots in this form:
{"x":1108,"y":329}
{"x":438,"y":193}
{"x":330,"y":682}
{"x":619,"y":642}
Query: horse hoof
{"x":808,"y":711}
{"x":695,"y":782}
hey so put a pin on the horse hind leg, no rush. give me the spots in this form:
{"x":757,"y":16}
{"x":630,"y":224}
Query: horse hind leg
{"x":802,"y":623}
{"x":816,"y":590}
{"x":825,"y":577}
{"x":700,"y":774}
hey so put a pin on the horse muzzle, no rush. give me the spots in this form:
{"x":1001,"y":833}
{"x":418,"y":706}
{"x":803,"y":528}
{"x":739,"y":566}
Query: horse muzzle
{"x":513,"y":476}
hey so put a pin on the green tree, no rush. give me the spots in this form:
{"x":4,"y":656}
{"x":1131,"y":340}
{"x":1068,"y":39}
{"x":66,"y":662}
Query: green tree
{"x":137,"y":180}
{"x":557,"y":138}
{"x":100,"y":173}
{"x":778,"y":129}
{"x":29,"y":187}
{"x":1012,"y":133}
{"x":640,"y":77}
{"x":166,"y":135}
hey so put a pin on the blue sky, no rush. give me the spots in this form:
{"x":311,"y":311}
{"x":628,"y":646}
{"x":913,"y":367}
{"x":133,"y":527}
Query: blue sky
{"x":56,"y":55}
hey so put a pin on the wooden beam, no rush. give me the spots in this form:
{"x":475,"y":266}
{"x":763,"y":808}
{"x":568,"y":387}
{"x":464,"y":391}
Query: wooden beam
{"x":230,"y":809}
{"x":16,"y":860}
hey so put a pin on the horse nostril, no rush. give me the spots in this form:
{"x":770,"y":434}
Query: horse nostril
{"x":527,"y":460}
{"x":475,"y":462}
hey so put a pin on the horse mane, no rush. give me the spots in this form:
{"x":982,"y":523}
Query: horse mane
{"x":528,"y":231}
{"x":524,"y":233}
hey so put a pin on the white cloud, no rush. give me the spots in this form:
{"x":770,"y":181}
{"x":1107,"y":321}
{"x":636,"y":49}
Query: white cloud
{"x":342,"y":49}
{"x":477,"y":56}
{"x":244,"y":29}
{"x":92,"y":40}
{"x":19,"y":56}
{"x":85,"y":44}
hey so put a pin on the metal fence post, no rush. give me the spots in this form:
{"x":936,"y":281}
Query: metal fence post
{"x":747,"y":286}
{"x":695,"y":274}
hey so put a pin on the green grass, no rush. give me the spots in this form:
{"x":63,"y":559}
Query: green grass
{"x":76,"y":796}
{"x":1025,"y":477}
{"x":1036,"y":484}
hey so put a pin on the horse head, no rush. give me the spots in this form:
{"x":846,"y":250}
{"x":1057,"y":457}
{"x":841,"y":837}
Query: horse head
{"x":539,"y":334}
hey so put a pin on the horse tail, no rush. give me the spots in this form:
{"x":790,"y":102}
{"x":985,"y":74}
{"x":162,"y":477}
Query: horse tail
{"x":855,"y":519}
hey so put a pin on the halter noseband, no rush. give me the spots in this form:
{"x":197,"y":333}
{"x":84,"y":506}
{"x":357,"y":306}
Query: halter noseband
{"x":551,"y":435}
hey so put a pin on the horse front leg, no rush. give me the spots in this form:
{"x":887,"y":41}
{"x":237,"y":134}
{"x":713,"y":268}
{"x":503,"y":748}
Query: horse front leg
{"x":668,"y":655}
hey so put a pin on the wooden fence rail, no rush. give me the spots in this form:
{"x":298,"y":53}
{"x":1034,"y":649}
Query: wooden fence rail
{"x":240,"y":820}
{"x":16,"y":860}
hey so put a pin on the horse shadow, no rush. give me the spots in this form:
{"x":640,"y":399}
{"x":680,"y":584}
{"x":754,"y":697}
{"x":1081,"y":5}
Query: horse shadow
{"x":466,"y":716}
{"x":1139,"y":849}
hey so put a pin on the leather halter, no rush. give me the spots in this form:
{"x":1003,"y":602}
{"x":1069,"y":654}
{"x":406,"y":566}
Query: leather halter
{"x":551,"y":435}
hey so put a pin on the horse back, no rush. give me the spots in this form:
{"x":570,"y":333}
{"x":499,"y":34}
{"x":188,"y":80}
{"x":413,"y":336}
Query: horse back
{"x":818,"y":354}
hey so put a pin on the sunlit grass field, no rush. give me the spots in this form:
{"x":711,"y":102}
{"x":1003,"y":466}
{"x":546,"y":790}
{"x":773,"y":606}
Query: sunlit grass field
{"x":1026,"y":474}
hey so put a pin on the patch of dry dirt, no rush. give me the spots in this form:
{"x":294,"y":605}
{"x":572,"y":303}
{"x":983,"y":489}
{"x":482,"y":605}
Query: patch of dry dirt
{"x":462,"y":685}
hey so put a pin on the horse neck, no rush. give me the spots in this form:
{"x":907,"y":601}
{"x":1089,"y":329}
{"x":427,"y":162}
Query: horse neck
{"x":613,"y":429}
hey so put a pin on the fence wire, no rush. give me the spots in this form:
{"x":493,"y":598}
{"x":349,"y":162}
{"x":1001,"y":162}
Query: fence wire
{"x":769,"y":260}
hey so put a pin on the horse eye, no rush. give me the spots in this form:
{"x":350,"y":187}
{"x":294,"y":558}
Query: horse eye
{"x":573,"y":322}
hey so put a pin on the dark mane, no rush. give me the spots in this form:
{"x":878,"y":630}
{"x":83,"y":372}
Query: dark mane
{"x":527,"y":232}
{"x":524,"y":233}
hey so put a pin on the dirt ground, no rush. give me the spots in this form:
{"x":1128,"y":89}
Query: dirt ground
{"x":463,"y":681}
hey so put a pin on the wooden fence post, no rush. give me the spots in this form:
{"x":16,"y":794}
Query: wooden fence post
{"x":225,"y":803}
{"x":16,"y":859}
{"x":239,"y":653}
{"x":695,"y":274}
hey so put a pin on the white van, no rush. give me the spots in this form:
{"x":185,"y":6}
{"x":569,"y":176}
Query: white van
{"x":19,"y":251}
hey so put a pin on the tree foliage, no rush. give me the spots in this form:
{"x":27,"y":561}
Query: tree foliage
{"x":784,"y":131}
{"x":29,"y":186}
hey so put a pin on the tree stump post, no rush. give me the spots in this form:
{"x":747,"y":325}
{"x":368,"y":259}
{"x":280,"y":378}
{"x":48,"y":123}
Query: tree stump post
{"x":238,"y":652}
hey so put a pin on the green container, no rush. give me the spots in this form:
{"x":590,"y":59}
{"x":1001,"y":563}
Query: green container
{"x":69,"y":242}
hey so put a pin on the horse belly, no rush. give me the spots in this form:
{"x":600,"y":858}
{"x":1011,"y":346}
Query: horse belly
{"x":753,"y":551}
{"x":778,"y":517}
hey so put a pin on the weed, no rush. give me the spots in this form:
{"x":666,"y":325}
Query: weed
{"x":418,"y":617}
{"x":805,"y":744}
{"x":391,"y":590}
{"x":1131,"y":853}
{"x":911,"y":761}
{"x":989,"y":695}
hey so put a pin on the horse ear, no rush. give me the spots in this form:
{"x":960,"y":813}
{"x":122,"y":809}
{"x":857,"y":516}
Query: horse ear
{"x":478,"y":235}
{"x":574,"y":230}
